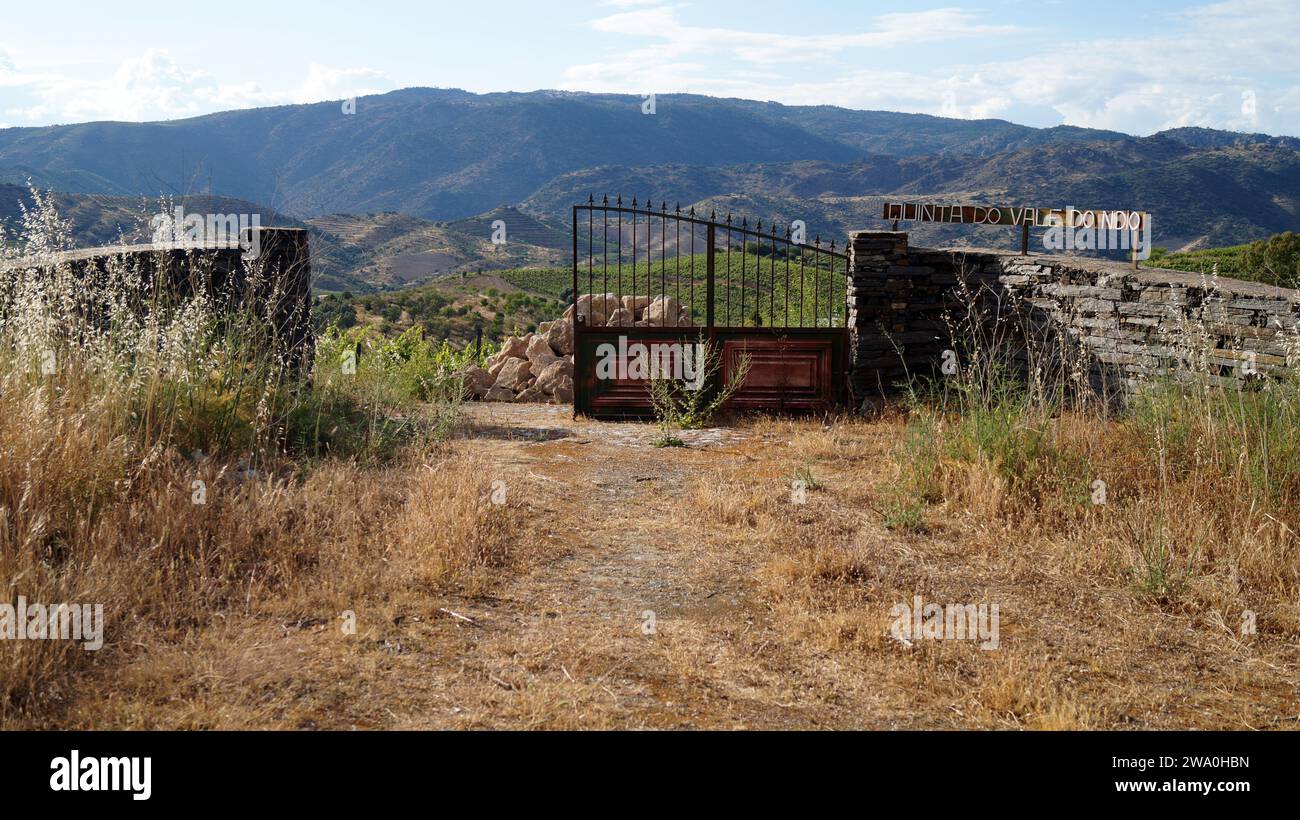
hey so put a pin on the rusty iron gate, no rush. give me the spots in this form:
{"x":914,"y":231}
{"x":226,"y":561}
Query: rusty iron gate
{"x":646,"y":278}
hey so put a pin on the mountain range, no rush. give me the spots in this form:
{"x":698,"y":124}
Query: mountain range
{"x":409,"y":185}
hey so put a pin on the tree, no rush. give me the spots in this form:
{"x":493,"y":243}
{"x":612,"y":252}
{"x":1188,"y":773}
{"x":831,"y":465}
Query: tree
{"x":1275,"y":260}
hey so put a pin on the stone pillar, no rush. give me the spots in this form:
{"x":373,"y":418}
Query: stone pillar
{"x":877,"y":281}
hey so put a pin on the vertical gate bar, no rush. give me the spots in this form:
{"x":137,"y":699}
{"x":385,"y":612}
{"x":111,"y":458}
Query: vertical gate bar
{"x":619,"y":298}
{"x":575,"y":261}
{"x":591,"y":238}
{"x":649,"y":252}
{"x":677,"y":254}
{"x":758,"y":274}
{"x":649,"y":249}
{"x":604,"y":261}
{"x":817,"y":280}
{"x":727,"y":285}
{"x":663,"y":254}
{"x":771,"y":299}
{"x":803,"y":291}
{"x":816,"y":271}
{"x":577,"y":392}
{"x":633,"y":263}
{"x":744,"y":252}
{"x":831,"y":286}
{"x":692,"y":273}
{"x":846,"y":290}
{"x":785,"y":249}
{"x":710,"y":239}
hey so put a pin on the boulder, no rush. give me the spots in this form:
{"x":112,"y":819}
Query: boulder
{"x":495,"y":368}
{"x":478,"y":381}
{"x":514,"y":372}
{"x":531,"y":394}
{"x":512,"y":348}
{"x":635,"y":303}
{"x":554,"y":372}
{"x":621,"y":318}
{"x":595,"y":308}
{"x":499,"y":394}
{"x":560,"y":336}
{"x":664,"y":310}
{"x":539,"y":354}
{"x":563,"y":391}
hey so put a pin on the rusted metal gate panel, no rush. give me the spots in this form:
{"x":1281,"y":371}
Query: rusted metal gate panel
{"x":656,"y":280}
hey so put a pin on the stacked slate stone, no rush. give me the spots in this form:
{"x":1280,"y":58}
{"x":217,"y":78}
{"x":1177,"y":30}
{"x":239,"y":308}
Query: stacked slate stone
{"x":1131,"y":325}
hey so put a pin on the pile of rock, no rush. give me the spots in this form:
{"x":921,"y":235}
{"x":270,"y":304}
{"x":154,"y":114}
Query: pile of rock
{"x":538,"y":367}
{"x":609,"y":310}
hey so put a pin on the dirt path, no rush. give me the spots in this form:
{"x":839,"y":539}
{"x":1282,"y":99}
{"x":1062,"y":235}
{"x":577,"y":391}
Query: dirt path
{"x":627,"y":623}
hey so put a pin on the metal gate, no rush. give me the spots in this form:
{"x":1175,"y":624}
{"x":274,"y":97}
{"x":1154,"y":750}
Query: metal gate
{"x":651,"y":279}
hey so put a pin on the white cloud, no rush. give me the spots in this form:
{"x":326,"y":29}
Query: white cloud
{"x":155,"y":86}
{"x":891,"y":30}
{"x":1192,"y":73}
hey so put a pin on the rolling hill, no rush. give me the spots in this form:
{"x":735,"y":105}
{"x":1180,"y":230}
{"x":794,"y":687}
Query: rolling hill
{"x":408,"y":188}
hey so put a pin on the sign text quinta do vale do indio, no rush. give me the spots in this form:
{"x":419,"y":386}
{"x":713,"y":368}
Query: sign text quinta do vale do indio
{"x":1067,"y":228}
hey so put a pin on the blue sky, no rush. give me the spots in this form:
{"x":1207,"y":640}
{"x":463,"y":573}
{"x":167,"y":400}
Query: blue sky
{"x":1137,"y":67}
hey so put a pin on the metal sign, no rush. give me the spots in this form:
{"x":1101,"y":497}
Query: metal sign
{"x":1012,"y":216}
{"x":1099,"y":223}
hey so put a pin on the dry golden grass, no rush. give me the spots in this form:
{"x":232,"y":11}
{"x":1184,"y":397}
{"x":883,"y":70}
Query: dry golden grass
{"x":87,"y":517}
{"x":770,"y":613}
{"x":1084,"y":643}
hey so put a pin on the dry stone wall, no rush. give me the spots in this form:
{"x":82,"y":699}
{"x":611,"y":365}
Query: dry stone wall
{"x":1131,"y":324}
{"x":277,"y":281}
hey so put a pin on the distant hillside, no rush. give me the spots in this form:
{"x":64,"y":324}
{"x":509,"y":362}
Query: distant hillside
{"x":357,"y":252}
{"x":1211,"y":195}
{"x":395,"y":250}
{"x":408,"y":188}
{"x":446,"y":154}
{"x":99,"y":219}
